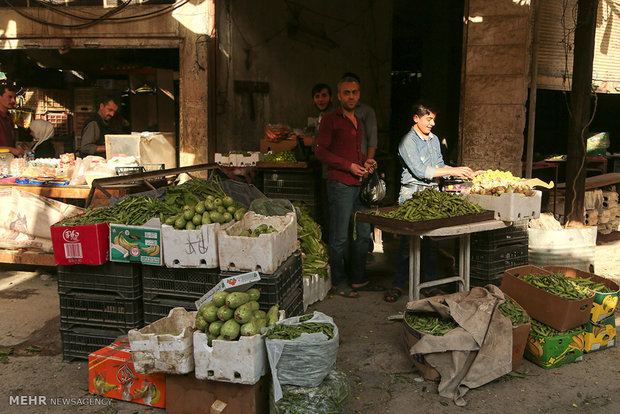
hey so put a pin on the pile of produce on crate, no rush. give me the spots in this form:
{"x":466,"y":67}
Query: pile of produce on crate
{"x":431,"y":204}
{"x":514,"y":312}
{"x":281,"y":156}
{"x":315,"y":257}
{"x":496,"y":183}
{"x":229,"y":315}
{"x":559,"y":285}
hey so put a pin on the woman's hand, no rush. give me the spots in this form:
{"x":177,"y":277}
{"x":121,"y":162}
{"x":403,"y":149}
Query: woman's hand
{"x":462,"y":172}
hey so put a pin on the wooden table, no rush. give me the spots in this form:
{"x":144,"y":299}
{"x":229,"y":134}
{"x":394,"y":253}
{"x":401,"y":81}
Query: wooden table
{"x":63,"y":192}
{"x":598,"y":181}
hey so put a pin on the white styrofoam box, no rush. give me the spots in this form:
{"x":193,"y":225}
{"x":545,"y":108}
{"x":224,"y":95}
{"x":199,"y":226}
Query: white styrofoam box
{"x":236,"y":283}
{"x":222,"y":159}
{"x":241,"y":361}
{"x":147,"y":147}
{"x":166,"y":345}
{"x":315,"y":289}
{"x":263,"y":253}
{"x":252,"y":159}
{"x":509,"y":207}
{"x":191,"y":248}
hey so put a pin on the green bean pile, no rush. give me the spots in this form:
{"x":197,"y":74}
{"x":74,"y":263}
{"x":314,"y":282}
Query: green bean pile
{"x":431,"y":204}
{"x":591,"y":284}
{"x":430,"y":323}
{"x":133,"y":211}
{"x":540,"y":329}
{"x":289,"y":332}
{"x":514,"y":312}
{"x":281,"y":156}
{"x":558,"y":284}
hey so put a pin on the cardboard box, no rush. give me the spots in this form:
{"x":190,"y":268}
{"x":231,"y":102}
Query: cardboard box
{"x":263,"y":253}
{"x":559,"y":313}
{"x":87,"y":244}
{"x":553,"y":351}
{"x":509,"y":206}
{"x":278,"y":147}
{"x":601,"y":335}
{"x":188,"y":395}
{"x":166,"y":345}
{"x":136,"y":243}
{"x":191,"y":248}
{"x":604,"y":303}
{"x":147,"y":147}
{"x":520,"y":334}
{"x":111,"y":373}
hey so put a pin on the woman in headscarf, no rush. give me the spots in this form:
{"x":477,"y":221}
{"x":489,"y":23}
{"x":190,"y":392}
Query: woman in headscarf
{"x":42,"y":132}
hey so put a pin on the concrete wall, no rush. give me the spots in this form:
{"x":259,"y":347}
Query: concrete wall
{"x":495,"y":81}
{"x":187,"y":28}
{"x":254,"y":46}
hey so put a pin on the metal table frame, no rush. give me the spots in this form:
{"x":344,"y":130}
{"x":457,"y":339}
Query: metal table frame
{"x":463,"y":232}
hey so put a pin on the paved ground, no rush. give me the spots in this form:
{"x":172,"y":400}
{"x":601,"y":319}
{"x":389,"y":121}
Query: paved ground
{"x":371,"y":352}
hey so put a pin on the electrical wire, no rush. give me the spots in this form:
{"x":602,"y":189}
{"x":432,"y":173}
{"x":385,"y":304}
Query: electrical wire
{"x":163,"y":10}
{"x":92,"y":21}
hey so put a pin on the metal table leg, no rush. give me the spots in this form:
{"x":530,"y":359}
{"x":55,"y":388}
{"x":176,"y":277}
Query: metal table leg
{"x":414,"y":268}
{"x":464,"y":257}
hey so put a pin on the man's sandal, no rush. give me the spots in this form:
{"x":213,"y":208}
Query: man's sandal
{"x":345,"y":292}
{"x":392,"y":295}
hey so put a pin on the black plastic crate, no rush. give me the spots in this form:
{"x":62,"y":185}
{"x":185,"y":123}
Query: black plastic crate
{"x":517,"y":233}
{"x":123,"y":279}
{"x":179,"y":282}
{"x":80,"y":341}
{"x":293,"y":304}
{"x":292,"y":186}
{"x":488,"y":266}
{"x":100,"y":310}
{"x":275,"y":287}
{"x":192,"y":284}
{"x":159,"y":306}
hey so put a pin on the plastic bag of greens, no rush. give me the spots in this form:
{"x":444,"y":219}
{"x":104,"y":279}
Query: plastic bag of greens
{"x":331,"y":397}
{"x":272,"y":206}
{"x":241,"y":192}
{"x":305,"y":360}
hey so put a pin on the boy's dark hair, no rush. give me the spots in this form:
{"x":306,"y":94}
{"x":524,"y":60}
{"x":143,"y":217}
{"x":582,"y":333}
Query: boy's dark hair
{"x":422,"y":109}
{"x":104,"y":99}
{"x":319,"y":87}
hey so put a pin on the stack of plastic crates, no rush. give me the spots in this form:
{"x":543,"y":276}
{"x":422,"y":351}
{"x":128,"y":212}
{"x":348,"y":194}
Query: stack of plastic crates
{"x":494,"y":251}
{"x":293,"y":186}
{"x":97,"y":305}
{"x":166,"y":288}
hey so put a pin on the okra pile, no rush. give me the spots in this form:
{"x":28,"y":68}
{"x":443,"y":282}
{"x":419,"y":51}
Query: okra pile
{"x":558,"y":284}
{"x":591,"y":284}
{"x":541,"y":329}
{"x":430,"y":323}
{"x":514,"y":312}
{"x":432,"y":204}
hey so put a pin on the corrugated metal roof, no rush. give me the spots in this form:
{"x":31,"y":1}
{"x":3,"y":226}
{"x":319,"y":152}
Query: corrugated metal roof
{"x":555,"y":58}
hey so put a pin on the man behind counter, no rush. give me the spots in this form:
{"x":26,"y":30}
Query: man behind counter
{"x":7,"y":127}
{"x":96,"y":128}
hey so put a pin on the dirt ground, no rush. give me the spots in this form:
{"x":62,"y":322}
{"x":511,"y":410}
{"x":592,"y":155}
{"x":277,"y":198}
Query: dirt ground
{"x":372,"y":353}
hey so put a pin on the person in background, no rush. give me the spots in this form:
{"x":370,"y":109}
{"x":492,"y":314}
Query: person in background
{"x":42,"y":132}
{"x":339,"y":145}
{"x":322,"y":98}
{"x":96,"y":128}
{"x":420,"y":154}
{"x":8,"y":93}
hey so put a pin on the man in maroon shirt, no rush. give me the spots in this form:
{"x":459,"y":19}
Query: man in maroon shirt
{"x":7,"y":127}
{"x":339,"y":146}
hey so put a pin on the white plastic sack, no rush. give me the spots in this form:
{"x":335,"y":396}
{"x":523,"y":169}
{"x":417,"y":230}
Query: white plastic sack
{"x":304,"y":361}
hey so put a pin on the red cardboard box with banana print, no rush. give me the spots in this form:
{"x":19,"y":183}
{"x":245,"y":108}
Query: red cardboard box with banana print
{"x":111,"y":374}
